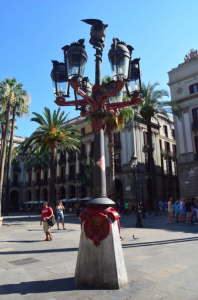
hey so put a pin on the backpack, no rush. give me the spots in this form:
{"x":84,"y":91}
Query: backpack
{"x":51,"y":221}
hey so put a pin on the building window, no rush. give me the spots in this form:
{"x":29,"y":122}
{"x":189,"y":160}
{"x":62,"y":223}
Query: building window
{"x":173,"y":133}
{"x":83,"y":131}
{"x":195,"y":114}
{"x":29,"y":178}
{"x":15,"y":179}
{"x":160,"y":143}
{"x":117,"y":163}
{"x":196,"y":146}
{"x":45,"y":175}
{"x":37,"y":176}
{"x":193,"y":88}
{"x":72,"y":171}
{"x":165,"y":131}
{"x":62,"y":172}
{"x":82,"y":169}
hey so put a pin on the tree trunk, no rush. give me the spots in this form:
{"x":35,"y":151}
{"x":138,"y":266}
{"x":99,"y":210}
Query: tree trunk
{"x":52,"y":200}
{"x":111,"y":166}
{"x":152,"y":169}
{"x":7,"y":195}
{"x":3,"y":154}
{"x":2,"y":139}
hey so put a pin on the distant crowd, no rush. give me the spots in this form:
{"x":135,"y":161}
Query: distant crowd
{"x":184,"y":210}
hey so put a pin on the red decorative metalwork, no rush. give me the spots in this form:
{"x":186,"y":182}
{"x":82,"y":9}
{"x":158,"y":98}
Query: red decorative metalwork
{"x":100,"y":100}
{"x":97,"y":124}
{"x":96,"y":223}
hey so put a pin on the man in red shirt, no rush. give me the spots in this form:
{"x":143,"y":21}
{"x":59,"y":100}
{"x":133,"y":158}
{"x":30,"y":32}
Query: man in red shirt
{"x":47,"y":212}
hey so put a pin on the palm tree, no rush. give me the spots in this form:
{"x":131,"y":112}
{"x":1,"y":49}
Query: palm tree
{"x":38,"y":161}
{"x":151,"y":107}
{"x":20,"y":107}
{"x":7,"y":97}
{"x":114,"y":124}
{"x":51,"y":134}
{"x":88,"y":178}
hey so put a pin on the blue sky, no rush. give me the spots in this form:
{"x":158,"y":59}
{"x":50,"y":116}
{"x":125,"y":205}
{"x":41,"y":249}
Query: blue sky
{"x":33,"y":32}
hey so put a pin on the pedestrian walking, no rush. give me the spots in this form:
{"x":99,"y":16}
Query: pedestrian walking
{"x":170,"y":211}
{"x":184,"y":210}
{"x":77,"y":211}
{"x":47,"y":212}
{"x":176,"y":207}
{"x":189,"y":210}
{"x":126,"y":206}
{"x":180,"y":209}
{"x":133,"y":207}
{"x":161,"y":205}
{"x":60,"y":215}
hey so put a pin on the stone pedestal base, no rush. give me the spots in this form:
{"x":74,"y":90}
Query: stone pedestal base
{"x":101,"y":266}
{"x":1,"y":220}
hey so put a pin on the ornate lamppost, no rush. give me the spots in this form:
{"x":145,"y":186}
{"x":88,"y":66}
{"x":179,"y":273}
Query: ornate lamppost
{"x":100,"y":258}
{"x":133,"y":163}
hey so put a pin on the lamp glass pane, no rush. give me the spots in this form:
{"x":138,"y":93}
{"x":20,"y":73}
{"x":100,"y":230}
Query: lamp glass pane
{"x":117,"y":97}
{"x":82,"y":66}
{"x":120,"y":65}
{"x":73,"y":64}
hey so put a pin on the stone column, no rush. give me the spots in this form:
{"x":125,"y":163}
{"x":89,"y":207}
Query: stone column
{"x":124,"y":151}
{"x":180,"y":136}
{"x":187,"y":130}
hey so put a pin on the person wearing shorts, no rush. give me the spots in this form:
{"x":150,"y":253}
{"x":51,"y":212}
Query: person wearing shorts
{"x":184,"y":211}
{"x":170,"y":211}
{"x":189,"y":210}
{"x":60,"y":215}
{"x":176,"y":207}
{"x":47,"y":212}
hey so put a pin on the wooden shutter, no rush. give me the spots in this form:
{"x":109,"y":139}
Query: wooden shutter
{"x":160,"y":143}
{"x":194,"y":114}
{"x":174,"y":149}
{"x":191,"y":90}
{"x":168,"y":146}
{"x":196,"y":144}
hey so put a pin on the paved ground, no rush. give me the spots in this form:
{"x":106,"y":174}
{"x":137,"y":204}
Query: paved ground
{"x":161,"y":263}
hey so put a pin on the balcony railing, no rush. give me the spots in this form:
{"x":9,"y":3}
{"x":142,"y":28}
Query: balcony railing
{"x":44,"y":181}
{"x":15,"y":183}
{"x":117,"y":145}
{"x":71,"y":177}
{"x":71,"y":158}
{"x":168,"y":173}
{"x":16,"y":169}
{"x":195,"y":126}
{"x":82,"y":156}
{"x":91,"y":154}
{"x":61,"y":179}
{"x":118,"y":170}
{"x":62,"y":161}
{"x":146,"y":147}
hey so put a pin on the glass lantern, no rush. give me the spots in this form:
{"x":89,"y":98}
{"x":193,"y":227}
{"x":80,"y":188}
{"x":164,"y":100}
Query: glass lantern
{"x":75,"y":60}
{"x":87,"y":88}
{"x":134,"y":85}
{"x":133,"y":161}
{"x":119,"y":57}
{"x":60,"y":86}
{"x":117,"y":97}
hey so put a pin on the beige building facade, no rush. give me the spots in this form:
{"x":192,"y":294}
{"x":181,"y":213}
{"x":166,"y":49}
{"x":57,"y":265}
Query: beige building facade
{"x":69,"y":169}
{"x":183,"y":83}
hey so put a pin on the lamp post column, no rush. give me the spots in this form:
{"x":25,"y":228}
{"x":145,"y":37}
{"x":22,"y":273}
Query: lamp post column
{"x":138,"y":222}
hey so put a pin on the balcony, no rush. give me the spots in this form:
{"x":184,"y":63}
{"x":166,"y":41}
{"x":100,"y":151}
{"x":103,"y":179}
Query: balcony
{"x":28,"y":183}
{"x":91,"y":154}
{"x":37,"y":182}
{"x":118,"y":170}
{"x":44,"y":181}
{"x":71,"y":158}
{"x":16,"y":169}
{"x":146,"y":147}
{"x":72,"y":177}
{"x":15,"y":183}
{"x":82,"y":156}
{"x":174,"y":158}
{"x":117,"y":145}
{"x":170,"y":154}
{"x":195,"y":126}
{"x":61,"y":179}
{"x":163,"y":152}
{"x":168,"y":173}
{"x":62,"y":161}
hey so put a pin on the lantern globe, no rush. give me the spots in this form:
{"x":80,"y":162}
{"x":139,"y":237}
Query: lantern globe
{"x":76,"y":59}
{"x":60,"y":86}
{"x":134,"y":85}
{"x":117,"y":97}
{"x":119,"y":57}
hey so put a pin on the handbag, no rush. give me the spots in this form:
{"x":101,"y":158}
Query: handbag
{"x":51,"y":221}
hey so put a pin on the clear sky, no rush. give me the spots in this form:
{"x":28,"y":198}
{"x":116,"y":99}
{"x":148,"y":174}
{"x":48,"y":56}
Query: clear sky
{"x":33,"y":32}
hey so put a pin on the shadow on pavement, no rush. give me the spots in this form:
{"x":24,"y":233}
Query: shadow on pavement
{"x":47,"y":286}
{"x":193,"y":239}
{"x":39,"y":251}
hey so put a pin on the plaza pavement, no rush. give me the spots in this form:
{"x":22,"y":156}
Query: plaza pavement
{"x":161,"y":263}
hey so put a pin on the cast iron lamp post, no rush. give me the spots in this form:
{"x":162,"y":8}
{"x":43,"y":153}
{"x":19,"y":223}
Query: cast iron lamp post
{"x":133,"y":163}
{"x":99,"y":220}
